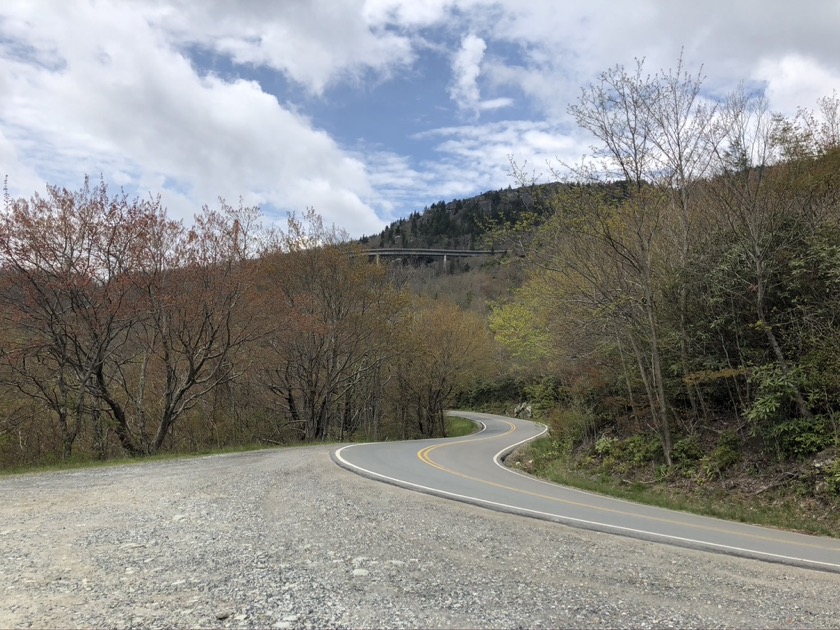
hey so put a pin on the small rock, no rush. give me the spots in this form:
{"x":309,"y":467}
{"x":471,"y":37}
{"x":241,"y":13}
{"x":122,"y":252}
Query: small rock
{"x":179,"y":517}
{"x":283,"y":625}
{"x":360,"y":572}
{"x":221,"y":615}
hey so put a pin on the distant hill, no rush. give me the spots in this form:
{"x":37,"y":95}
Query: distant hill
{"x":460,"y":223}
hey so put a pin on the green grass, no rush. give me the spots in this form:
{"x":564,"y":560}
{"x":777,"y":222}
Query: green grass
{"x":83,"y":463}
{"x":456,"y":427}
{"x":787,"y":512}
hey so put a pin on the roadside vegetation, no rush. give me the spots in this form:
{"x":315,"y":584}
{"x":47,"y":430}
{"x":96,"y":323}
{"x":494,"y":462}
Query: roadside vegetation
{"x":668,"y":306}
{"x":458,"y":427}
{"x":124,"y":333}
{"x":85,"y":462}
{"x":682,"y":292}
{"x":743,"y":495}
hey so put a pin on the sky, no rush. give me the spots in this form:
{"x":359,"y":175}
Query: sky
{"x":365,"y":110}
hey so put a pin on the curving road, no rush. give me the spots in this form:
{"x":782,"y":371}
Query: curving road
{"x":469,"y":469}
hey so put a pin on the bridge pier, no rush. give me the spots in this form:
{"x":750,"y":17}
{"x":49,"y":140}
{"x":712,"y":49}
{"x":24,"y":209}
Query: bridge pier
{"x":406,"y":252}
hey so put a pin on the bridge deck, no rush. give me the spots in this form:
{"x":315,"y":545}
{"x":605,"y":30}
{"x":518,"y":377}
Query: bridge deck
{"x":432,"y":253}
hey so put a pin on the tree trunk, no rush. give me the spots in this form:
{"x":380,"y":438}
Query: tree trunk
{"x":118,"y":414}
{"x":801,"y":405}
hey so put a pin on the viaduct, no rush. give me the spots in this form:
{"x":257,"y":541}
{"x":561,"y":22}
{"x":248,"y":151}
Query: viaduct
{"x":405,"y":252}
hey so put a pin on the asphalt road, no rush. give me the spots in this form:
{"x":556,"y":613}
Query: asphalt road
{"x":469,"y":469}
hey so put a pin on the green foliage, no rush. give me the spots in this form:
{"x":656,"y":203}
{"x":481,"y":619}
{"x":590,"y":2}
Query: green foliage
{"x":687,"y":450}
{"x":605,"y":446}
{"x":619,"y":455}
{"x":800,"y":437}
{"x":776,"y":389}
{"x":517,"y":329}
{"x":572,"y":426}
{"x":544,"y":394}
{"x":457,"y":427}
{"x":545,"y":459}
{"x":546,"y":452}
{"x":461,"y":223}
{"x":643,"y":449}
{"x":490,"y":394}
{"x":688,"y":307}
{"x":833,"y":478}
{"x":726,"y":454}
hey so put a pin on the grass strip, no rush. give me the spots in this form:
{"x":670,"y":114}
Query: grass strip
{"x":457,"y":427}
{"x":782,"y":512}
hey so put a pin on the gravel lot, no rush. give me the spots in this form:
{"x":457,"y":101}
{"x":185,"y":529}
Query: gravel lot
{"x":286,"y":539}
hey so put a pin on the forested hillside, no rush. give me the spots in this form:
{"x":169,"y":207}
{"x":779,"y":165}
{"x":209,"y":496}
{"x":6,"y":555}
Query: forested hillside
{"x":687,"y":318}
{"x":463,"y":223}
{"x":669,"y":306}
{"x":124,"y":332}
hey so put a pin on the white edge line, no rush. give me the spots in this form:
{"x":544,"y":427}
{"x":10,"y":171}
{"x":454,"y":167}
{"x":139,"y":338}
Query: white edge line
{"x":598,"y":526}
{"x":497,"y":459}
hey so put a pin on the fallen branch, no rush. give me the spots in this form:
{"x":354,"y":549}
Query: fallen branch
{"x":779,"y":482}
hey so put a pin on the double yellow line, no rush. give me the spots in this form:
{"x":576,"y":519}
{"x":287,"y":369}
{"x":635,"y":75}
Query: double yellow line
{"x":424,"y":455}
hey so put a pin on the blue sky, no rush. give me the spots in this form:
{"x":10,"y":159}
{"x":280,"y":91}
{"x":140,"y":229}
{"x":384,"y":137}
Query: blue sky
{"x":363,"y":109}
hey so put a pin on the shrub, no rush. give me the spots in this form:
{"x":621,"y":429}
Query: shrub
{"x":833,"y":479}
{"x":687,"y":450}
{"x":642,"y":449}
{"x":726,"y":454}
{"x":544,"y":394}
{"x":776,"y":390}
{"x":606,"y":446}
{"x":801,"y":437}
{"x":623,"y":455}
{"x":572,"y":426}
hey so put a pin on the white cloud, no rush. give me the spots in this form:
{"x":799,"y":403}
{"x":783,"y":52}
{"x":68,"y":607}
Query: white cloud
{"x":495,"y":103}
{"x":469,"y":159}
{"x":466,"y":67}
{"x":313,"y":42}
{"x":478,"y":157}
{"x":114,"y":86}
{"x":563,"y":45}
{"x":794,"y":81}
{"x":398,"y":183}
{"x":411,"y":14}
{"x":119,"y":99}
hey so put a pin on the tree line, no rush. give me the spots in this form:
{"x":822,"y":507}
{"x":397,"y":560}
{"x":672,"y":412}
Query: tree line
{"x":123,"y":331}
{"x":458,"y":224}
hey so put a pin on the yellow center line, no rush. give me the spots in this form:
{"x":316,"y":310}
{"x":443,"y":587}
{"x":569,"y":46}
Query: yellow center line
{"x":425,"y":456}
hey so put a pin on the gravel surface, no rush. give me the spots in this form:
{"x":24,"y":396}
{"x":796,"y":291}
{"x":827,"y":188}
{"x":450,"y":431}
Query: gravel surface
{"x":286,"y":539}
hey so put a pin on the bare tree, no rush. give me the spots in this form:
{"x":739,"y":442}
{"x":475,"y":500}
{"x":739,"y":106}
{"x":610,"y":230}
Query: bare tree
{"x":195,"y":285}
{"x":67,"y":259}
{"x":626,"y":221}
{"x":443,"y":347}
{"x":332,"y":317}
{"x":121,"y":314}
